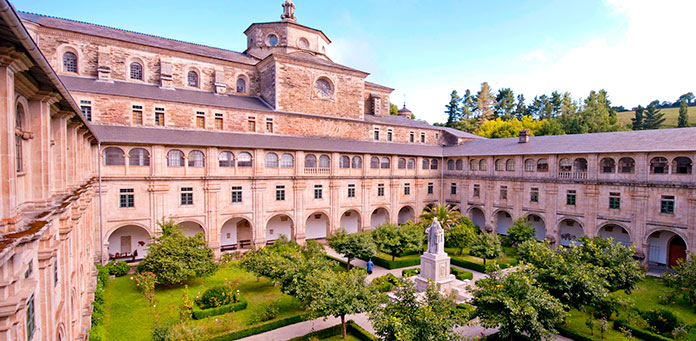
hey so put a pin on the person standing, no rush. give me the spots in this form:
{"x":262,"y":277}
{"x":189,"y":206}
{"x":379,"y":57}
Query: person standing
{"x":369,"y":266}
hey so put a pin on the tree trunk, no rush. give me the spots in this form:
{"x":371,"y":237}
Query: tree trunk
{"x":393,"y":255}
{"x":343,"y":324}
{"x":348,"y":265}
{"x":484,"y":261}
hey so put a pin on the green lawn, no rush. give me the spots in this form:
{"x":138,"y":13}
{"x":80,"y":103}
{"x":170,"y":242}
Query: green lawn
{"x":129,"y":316}
{"x":509,"y":253}
{"x":671,"y":115}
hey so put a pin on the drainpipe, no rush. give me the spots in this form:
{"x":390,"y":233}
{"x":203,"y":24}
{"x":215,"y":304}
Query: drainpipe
{"x":442,"y":180}
{"x":101,"y":232}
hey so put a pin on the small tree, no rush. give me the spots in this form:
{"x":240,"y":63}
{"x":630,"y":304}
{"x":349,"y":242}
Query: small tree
{"x":175,"y":258}
{"x":615,"y":259}
{"x":145,"y":281}
{"x":486,"y":246}
{"x":517,"y":305}
{"x":446,"y":215}
{"x":682,"y":278}
{"x":395,"y":240}
{"x":683,"y":114}
{"x":356,"y":245}
{"x":521,"y":231}
{"x":460,"y":235}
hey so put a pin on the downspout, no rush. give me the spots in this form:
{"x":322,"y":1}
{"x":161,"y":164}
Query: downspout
{"x":442,"y":180}
{"x":101,"y":232}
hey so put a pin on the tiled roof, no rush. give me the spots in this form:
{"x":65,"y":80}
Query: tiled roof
{"x":460,"y":133}
{"x":138,"y":38}
{"x":398,"y":120}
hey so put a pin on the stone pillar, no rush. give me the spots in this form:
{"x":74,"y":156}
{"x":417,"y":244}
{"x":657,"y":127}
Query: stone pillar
{"x":104,"y":64}
{"x":220,"y":85}
{"x":166,"y":72}
{"x":394,"y":200}
{"x":299,"y":190}
{"x":366,"y":209}
{"x":259,"y":233}
{"x":334,"y":218}
{"x":211,"y":192}
{"x":550,"y":197}
{"x":640,"y":196}
{"x":488,"y":191}
{"x":590,"y":202}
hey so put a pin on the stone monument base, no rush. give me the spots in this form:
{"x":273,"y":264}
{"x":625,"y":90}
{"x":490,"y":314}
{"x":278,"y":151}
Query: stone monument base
{"x":435,"y":268}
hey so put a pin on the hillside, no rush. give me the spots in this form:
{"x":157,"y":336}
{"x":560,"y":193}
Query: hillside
{"x":671,"y":115}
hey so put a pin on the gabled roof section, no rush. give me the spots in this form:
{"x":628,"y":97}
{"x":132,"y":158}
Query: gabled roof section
{"x":377,"y":86}
{"x":138,"y":38}
{"x":308,"y":58}
{"x":300,"y":26}
{"x":399,"y":121}
{"x":460,"y":133}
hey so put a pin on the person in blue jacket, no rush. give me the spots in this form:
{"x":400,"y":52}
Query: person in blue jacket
{"x":369,"y":266}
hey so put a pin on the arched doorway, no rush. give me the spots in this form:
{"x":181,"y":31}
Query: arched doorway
{"x":317,"y":226}
{"x":235,"y":234}
{"x":503,"y":222}
{"x":279,"y":225}
{"x":405,"y":214}
{"x":350,"y":221}
{"x":665,"y":248}
{"x":379,"y":217}
{"x":191,"y":228}
{"x":478,"y":218}
{"x":128,"y":243}
{"x":570,"y":231}
{"x":539,"y":226}
{"x":617,"y":233}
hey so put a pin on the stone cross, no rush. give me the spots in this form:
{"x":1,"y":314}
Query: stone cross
{"x":288,"y":11}
{"x":436,"y":238}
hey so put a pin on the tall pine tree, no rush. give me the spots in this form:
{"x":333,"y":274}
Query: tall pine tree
{"x":468,"y":105}
{"x":505,"y":104}
{"x":521,"y":108}
{"x":683,"y":114}
{"x":653,"y":117}
{"x":453,"y":110}
{"x":638,"y":119}
{"x":485,"y":102}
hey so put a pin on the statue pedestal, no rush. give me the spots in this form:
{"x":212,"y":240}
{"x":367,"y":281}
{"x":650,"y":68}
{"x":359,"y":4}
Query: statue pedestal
{"x":435,"y":267}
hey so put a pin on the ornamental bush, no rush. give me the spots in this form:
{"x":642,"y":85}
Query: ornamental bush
{"x":385,"y":283}
{"x":660,"y":321}
{"x":215,"y":297}
{"x":118,"y":268}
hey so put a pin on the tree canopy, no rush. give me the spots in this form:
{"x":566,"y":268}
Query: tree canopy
{"x":395,"y":240}
{"x":355,"y":245}
{"x":486,"y":246}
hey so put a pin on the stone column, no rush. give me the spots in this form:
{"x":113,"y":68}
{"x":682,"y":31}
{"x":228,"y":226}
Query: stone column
{"x":488,"y":192}
{"x":334,"y":191}
{"x":259,"y":233}
{"x":365,"y":186}
{"x":211,"y":192}
{"x":299,"y":190}
{"x":590,"y":202}
{"x":550,"y":197}
{"x":394,"y":200}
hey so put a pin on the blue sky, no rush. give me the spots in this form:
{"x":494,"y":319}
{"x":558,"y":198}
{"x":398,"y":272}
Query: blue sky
{"x":424,"y":49}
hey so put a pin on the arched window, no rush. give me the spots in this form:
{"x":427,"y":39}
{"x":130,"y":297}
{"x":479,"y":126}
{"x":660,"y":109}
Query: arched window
{"x":626,"y":165}
{"x":345,"y":162}
{"x":681,"y":165}
{"x":542,"y":165}
{"x":69,"y":62}
{"x":175,"y":158}
{"x":287,"y":161}
{"x":659,"y":165}
{"x":426,"y":163}
{"x":411,"y":163}
{"x":473,"y":165}
{"x":483,"y":165}
{"x":529,"y":165}
{"x":385,"y":163}
{"x":459,"y":164}
{"x":114,"y":157}
{"x":192,"y":79}
{"x":357,"y":162}
{"x":136,"y":71}
{"x":580,"y":165}
{"x":510,"y":165}
{"x":450,"y":164}
{"x":433,"y":164}
{"x":310,"y":161}
{"x":374,"y":162}
{"x":241,"y":85}
{"x":402,"y":163}
{"x":244,"y":160}
{"x":196,"y":159}
{"x":226,"y":159}
{"x":499,"y":165}
{"x":138,"y":157}
{"x":271,"y":160}
{"x":19,"y":124}
{"x":324,"y":161}
{"x":607,"y":165}
{"x":565,"y":165}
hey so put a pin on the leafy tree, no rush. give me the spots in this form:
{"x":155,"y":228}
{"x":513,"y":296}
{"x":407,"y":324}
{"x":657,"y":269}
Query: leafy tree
{"x":486,"y":246}
{"x":460,"y":235}
{"x":395,"y":240}
{"x":551,"y":127}
{"x":505,"y":104}
{"x":468,"y":105}
{"x":568,"y":106}
{"x":338,"y":294}
{"x":688,"y":97}
{"x":597,"y":114}
{"x":683,"y":114}
{"x":682,"y":278}
{"x":521,"y":231}
{"x":448,"y":216}
{"x":556,"y":103}
{"x":356,"y":245}
{"x":501,"y":129}
{"x":393,"y":109}
{"x":485,"y":102}
{"x":622,"y":272}
{"x":653,"y":118}
{"x":175,"y":258}
{"x":453,"y":110}
{"x":517,"y":305}
{"x":409,"y":317}
{"x":638,"y":119}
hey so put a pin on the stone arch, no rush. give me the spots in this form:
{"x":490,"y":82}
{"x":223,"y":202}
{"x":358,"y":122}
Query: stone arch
{"x":143,"y":69}
{"x":503,"y":221}
{"x":379,"y":216}
{"x":191,"y":227}
{"x":62,"y":49}
{"x":406,"y":213}
{"x":478,"y":217}
{"x":128,"y":240}
{"x":570,"y":230}
{"x":618,"y":232}
{"x":280,"y":224}
{"x":317,"y":225}
{"x":538,"y":224}
{"x":236,"y":233}
{"x":351,"y":221}
{"x":665,"y":246}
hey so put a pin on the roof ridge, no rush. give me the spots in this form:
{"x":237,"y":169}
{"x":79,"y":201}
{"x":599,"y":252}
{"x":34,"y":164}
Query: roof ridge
{"x":129,"y":31}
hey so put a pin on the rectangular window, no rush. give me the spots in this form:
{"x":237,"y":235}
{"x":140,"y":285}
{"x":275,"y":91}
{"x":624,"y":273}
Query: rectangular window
{"x":477,"y":191}
{"x":138,"y":115}
{"x":187,"y":195}
{"x":159,"y":116}
{"x":55,"y":273}
{"x":280,"y":193}
{"x":318,"y":192}
{"x":407,"y":189}
{"x":534,"y":195}
{"x":570,"y":197}
{"x":411,"y":137}
{"x":453,"y":188}
{"x":252,"y":124}
{"x":200,"y":120}
{"x":218,"y":121}
{"x":376,"y":134}
{"x":86,"y":108}
{"x":380,"y":190}
{"x":503,"y":192}
{"x":236,"y":194}
{"x":430,"y":188}
{"x":30,"y":269}
{"x":667,"y":204}
{"x":269,"y":125}
{"x":389,"y":134}
{"x":31,"y":326}
{"x":127,"y":198}
{"x":351,"y":190}
{"x":615,"y":200}
{"x":422,"y":137}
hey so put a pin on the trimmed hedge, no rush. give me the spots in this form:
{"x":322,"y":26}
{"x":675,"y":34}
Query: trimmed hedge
{"x":344,"y":264}
{"x":352,"y":328}
{"x":410,"y":272}
{"x":262,"y":328}
{"x":359,"y":332}
{"x":479,"y":266}
{"x":461,"y":275}
{"x":573,"y":335}
{"x":639,"y":333}
{"x":387,"y":263}
{"x":203,"y":313}
{"x":497,"y":337}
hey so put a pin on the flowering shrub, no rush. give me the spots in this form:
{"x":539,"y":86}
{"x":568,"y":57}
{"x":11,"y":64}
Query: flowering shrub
{"x":186,"y":307}
{"x":118,"y":268}
{"x":215,"y":297}
{"x":145,"y":281}
{"x":265,"y":313}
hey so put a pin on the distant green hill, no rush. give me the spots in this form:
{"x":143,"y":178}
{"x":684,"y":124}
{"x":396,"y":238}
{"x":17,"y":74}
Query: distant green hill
{"x":671,"y":115}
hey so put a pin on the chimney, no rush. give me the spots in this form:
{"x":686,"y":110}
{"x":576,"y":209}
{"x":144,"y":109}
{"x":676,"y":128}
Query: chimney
{"x":524,"y":136}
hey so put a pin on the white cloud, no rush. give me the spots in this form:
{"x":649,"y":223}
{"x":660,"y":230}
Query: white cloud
{"x":536,"y":56}
{"x":354,"y":53}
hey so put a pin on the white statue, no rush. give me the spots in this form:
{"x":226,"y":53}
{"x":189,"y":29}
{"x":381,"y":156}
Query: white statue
{"x":436,"y":238}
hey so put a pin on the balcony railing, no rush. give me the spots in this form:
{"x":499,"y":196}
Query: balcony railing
{"x":572,"y":175}
{"x":316,"y":170}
